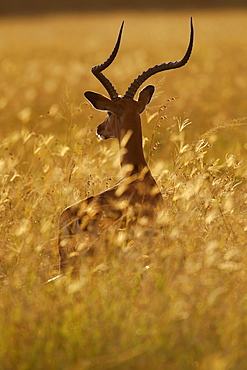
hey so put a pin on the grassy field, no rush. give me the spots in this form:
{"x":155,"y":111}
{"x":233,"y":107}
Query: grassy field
{"x":174,"y":301}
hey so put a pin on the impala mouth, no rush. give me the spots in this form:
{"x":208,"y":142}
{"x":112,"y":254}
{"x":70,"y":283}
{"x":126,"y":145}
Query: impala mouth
{"x":101,"y":136}
{"x":104,"y":136}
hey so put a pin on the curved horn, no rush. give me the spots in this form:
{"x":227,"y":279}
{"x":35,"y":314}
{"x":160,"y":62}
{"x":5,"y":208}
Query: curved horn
{"x":97,"y":69}
{"x":130,"y":93}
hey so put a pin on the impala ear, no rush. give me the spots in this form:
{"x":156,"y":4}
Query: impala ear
{"x":145,"y":96}
{"x":100,"y":102}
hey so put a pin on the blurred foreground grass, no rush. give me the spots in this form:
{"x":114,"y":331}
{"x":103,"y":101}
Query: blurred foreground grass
{"x":177,"y":300}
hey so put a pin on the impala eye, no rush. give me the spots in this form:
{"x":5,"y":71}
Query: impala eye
{"x":109,"y":114}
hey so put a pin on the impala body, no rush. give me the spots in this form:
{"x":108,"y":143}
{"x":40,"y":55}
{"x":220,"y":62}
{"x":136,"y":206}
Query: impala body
{"x":81,"y":223}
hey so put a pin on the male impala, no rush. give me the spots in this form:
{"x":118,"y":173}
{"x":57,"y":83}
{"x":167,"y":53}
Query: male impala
{"x":81,"y":223}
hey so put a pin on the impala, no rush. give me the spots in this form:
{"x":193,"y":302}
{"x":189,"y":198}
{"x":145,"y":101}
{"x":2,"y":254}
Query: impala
{"x":81,"y":223}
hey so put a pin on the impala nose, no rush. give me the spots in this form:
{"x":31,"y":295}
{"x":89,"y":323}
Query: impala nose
{"x":100,"y":132}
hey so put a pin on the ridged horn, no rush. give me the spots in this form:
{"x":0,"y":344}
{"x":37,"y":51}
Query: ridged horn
{"x":97,"y":70}
{"x":130,"y":93}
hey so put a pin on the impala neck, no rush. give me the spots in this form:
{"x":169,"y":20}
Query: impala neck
{"x":131,"y":147}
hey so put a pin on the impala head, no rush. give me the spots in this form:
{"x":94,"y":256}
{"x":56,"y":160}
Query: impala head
{"x":122,"y":114}
{"x":124,"y":111}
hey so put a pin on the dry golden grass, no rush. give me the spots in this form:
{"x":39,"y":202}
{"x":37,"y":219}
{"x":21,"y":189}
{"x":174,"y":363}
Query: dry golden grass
{"x":176,"y":300}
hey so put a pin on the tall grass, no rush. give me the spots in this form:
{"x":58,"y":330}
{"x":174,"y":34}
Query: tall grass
{"x":176,"y":300}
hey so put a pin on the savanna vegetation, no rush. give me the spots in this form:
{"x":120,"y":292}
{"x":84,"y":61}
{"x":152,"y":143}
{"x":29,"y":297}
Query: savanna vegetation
{"x":176,"y":300}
